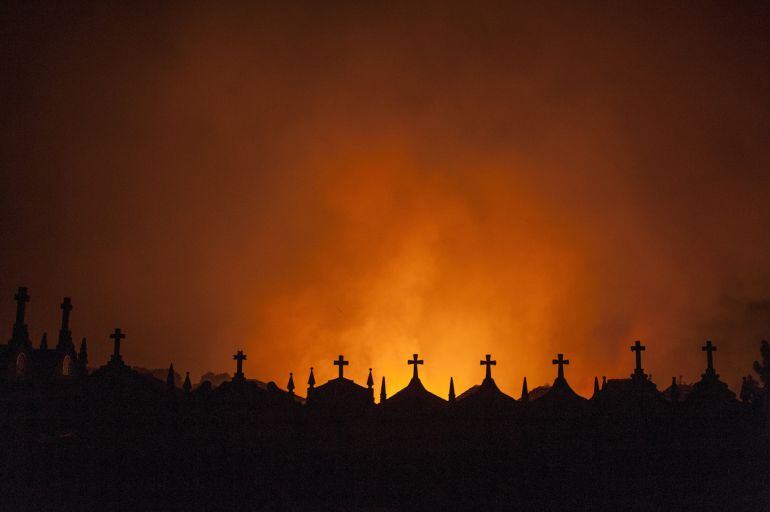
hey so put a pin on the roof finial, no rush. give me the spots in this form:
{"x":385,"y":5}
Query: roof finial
{"x":383,"y":393}
{"x":171,"y":377}
{"x":674,"y":391}
{"x":187,"y":386}
{"x":452,"y":389}
{"x":290,"y":385}
{"x":524,"y":391}
{"x":370,"y":380}
{"x":311,"y":379}
{"x":596,"y":387}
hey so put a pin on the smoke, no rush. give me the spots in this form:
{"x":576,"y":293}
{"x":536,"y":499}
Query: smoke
{"x":307,"y":181}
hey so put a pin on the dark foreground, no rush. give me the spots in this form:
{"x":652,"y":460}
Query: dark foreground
{"x":103,"y":445}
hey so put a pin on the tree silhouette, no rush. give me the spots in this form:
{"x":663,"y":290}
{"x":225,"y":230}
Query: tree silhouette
{"x":763,"y":368}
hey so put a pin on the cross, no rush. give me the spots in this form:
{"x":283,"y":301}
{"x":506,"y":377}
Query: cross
{"x":239,"y":357}
{"x":117,"y":336}
{"x":561,"y":362}
{"x":341,"y":363}
{"x":22,"y":297}
{"x":66,"y":307}
{"x":638,"y":348}
{"x":709,"y":348}
{"x":415,"y":362}
{"x":489,"y":364}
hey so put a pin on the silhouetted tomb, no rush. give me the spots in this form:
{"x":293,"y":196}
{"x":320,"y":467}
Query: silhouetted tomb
{"x":120,"y":437}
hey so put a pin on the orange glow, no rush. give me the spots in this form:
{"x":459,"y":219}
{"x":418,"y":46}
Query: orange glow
{"x":303,"y":183}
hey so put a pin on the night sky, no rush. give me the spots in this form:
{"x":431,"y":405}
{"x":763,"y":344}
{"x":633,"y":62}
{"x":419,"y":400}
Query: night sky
{"x":310,"y":179}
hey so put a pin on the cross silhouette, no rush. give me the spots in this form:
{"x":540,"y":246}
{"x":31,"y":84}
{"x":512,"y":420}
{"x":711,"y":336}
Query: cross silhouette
{"x":66,"y":307}
{"x":341,"y":364}
{"x":489,"y":364}
{"x":239,"y":357}
{"x":638,"y":348}
{"x":561,"y":362}
{"x":22,"y":297}
{"x":709,"y":348}
{"x":415,"y":362}
{"x":117,"y":336}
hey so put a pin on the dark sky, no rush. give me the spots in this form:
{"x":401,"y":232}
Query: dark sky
{"x":378,"y":179}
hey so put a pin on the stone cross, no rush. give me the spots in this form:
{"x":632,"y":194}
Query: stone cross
{"x":638,"y":348}
{"x":415,"y":362}
{"x":21,"y":297}
{"x":709,"y":348}
{"x":341,"y":364}
{"x":561,"y":362}
{"x":117,"y":336}
{"x":66,"y":307}
{"x":239,"y":357}
{"x":489,"y":364}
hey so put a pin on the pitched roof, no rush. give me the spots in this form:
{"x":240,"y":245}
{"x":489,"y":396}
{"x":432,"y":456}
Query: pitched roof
{"x":414,"y":399}
{"x":485,"y":398}
{"x":558,"y":400}
{"x":117,"y":381}
{"x":637,"y":395}
{"x":710,"y":396}
{"x":683,"y":388}
{"x":341,"y":394}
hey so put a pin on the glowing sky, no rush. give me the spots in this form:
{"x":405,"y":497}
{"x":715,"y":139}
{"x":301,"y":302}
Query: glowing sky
{"x":323,"y":178}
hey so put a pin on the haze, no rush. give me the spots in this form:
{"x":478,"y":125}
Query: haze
{"x":307,"y":180}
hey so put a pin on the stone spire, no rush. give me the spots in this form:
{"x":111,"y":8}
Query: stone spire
{"x":524,"y":391}
{"x":187,"y":386}
{"x":370,"y":380}
{"x":44,"y":341}
{"x":311,"y":379}
{"x":451,"y":390}
{"x":383,"y":393}
{"x":290,"y":385}
{"x":170,"y":378}
{"x":596,"y":387}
